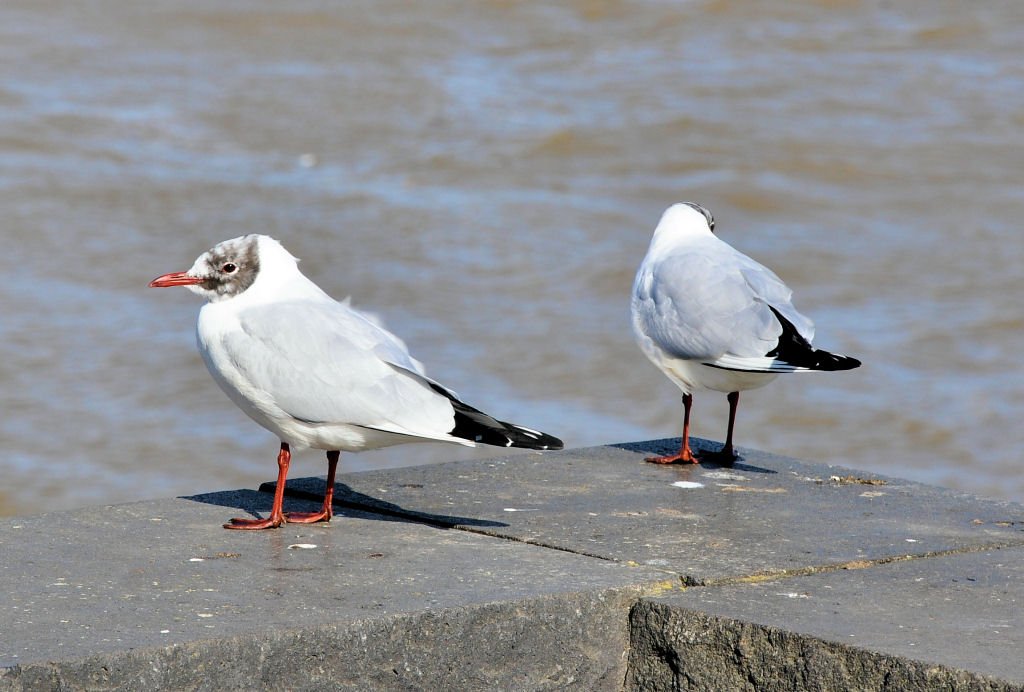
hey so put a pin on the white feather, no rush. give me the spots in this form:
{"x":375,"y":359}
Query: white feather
{"x":702,"y":311}
{"x":314,"y":371}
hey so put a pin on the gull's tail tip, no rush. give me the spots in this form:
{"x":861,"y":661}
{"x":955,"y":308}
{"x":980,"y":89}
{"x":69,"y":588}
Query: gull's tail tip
{"x":526,"y":438}
{"x":835,"y":361}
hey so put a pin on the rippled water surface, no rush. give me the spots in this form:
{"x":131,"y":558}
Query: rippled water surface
{"x":486,"y":176}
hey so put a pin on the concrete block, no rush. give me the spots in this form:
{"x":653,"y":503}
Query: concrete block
{"x":158,"y":595}
{"x":583,"y":569}
{"x":954,"y":622}
{"x":705,"y":523}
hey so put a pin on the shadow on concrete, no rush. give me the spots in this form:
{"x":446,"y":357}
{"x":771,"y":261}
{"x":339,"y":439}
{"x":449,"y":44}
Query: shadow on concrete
{"x":699,"y":445}
{"x":346,"y":497}
{"x":257,"y":504}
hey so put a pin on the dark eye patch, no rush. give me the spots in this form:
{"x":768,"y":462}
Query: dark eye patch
{"x":233,"y":266}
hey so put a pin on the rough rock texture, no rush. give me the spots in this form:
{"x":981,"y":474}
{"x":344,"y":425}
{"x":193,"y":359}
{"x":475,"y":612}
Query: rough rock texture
{"x":534,"y":572}
{"x":678,"y":649}
{"x":568,"y":641}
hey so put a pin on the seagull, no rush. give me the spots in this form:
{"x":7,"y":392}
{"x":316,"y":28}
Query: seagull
{"x":317,"y":372}
{"x":712,"y":318}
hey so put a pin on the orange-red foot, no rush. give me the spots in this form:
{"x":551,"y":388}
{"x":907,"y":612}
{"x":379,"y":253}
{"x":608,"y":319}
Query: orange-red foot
{"x":307,"y":517}
{"x":254,"y":524}
{"x":679,"y":458}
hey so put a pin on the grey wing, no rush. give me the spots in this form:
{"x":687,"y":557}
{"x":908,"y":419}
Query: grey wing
{"x":770,"y":289}
{"x":708,"y":302}
{"x":326,"y":363}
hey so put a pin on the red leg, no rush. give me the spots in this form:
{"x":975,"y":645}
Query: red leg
{"x":685,"y":456}
{"x":276,"y":518}
{"x":327,"y":510}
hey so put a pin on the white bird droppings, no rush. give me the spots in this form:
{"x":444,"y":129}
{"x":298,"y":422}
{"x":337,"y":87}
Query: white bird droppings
{"x":725,"y":475}
{"x":302,"y":546}
{"x":687,"y":484}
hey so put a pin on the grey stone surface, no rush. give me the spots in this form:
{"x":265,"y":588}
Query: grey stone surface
{"x":950,"y":622}
{"x":767,"y":514}
{"x":531,"y":572}
{"x":676,"y":649}
{"x":157,"y":594}
{"x":570,"y":641}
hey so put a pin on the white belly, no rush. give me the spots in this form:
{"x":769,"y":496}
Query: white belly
{"x":262,"y":409}
{"x":692,"y":376}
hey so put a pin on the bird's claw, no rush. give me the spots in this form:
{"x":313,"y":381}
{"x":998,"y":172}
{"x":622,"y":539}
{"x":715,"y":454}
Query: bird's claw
{"x":307,"y":517}
{"x":687,"y":458}
{"x":254,"y":524}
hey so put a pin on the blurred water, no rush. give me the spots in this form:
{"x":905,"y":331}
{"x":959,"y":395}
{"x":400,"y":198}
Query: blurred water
{"x":486,"y":177}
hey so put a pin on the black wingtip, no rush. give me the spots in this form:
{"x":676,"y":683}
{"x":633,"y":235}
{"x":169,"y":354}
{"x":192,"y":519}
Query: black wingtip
{"x":525,"y":438}
{"x":473,"y":424}
{"x":796,"y":350}
{"x":834,"y":361}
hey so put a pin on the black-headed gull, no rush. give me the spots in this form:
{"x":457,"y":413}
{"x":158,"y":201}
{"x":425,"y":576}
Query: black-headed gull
{"x":315,"y":371}
{"x":712,"y":318}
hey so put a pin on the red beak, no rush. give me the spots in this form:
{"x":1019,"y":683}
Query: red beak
{"x":175,"y":279}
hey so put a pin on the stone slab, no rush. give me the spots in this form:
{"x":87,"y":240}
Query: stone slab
{"x":949,"y":622}
{"x":157,"y":594}
{"x":529,"y":572}
{"x":766,"y":514}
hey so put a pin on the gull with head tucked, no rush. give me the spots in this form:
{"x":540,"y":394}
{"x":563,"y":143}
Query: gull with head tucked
{"x":712,"y":318}
{"x":316,"y":372}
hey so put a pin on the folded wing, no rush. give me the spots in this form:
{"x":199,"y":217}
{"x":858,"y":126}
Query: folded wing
{"x":711,"y":301}
{"x":326,"y":363}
